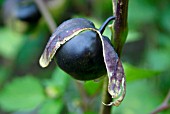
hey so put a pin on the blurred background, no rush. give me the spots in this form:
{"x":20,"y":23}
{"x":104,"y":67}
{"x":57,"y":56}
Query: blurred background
{"x":26,"y":88}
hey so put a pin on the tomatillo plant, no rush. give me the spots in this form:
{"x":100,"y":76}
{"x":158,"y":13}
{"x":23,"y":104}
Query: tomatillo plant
{"x":83,"y":52}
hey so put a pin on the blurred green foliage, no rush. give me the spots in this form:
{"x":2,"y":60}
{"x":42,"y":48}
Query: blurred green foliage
{"x":22,"y":94}
{"x":25,"y":88}
{"x":8,"y":51}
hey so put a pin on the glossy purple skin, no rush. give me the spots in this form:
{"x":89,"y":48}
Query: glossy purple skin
{"x":82,"y":56}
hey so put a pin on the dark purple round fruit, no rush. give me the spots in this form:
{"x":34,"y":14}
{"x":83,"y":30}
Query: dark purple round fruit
{"x":78,"y":48}
{"x":83,"y":52}
{"x":82,"y":56}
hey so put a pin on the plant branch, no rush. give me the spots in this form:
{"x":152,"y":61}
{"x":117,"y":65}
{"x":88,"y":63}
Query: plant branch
{"x":165,"y":105}
{"x":106,"y":98}
{"x":48,"y":18}
{"x":120,"y":26}
{"x":120,"y":9}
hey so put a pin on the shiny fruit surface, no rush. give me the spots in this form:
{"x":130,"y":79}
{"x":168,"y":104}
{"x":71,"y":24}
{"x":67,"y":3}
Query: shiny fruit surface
{"x":82,"y":56}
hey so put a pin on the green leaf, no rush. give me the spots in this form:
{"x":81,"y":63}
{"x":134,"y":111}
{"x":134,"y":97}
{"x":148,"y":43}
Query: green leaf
{"x":10,"y":43}
{"x":52,"y":107}
{"x":24,"y":93}
{"x":92,"y":87}
{"x":133,"y":73}
{"x":90,"y":112}
{"x":158,"y":59}
{"x":141,"y":98}
{"x":165,"y":18}
{"x":56,"y":86}
{"x":3,"y":74}
{"x":136,"y":18}
{"x":133,"y":36}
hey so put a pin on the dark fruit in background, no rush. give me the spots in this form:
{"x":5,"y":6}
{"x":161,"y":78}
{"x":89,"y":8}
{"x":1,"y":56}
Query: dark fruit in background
{"x":82,"y":56}
{"x":27,"y":11}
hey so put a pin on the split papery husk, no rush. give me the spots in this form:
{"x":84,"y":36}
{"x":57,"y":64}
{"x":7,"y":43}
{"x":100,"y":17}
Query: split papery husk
{"x":115,"y":72}
{"x":62,"y":34}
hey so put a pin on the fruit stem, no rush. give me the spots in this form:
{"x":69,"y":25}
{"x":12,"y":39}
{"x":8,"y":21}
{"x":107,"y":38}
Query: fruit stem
{"x":102,"y":28}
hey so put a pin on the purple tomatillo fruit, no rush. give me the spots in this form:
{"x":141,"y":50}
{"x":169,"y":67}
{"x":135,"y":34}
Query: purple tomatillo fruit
{"x":85,"y":54}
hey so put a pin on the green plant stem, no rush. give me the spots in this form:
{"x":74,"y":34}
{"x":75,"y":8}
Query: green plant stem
{"x":118,"y":39}
{"x":120,"y":26}
{"x":106,"y":98}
